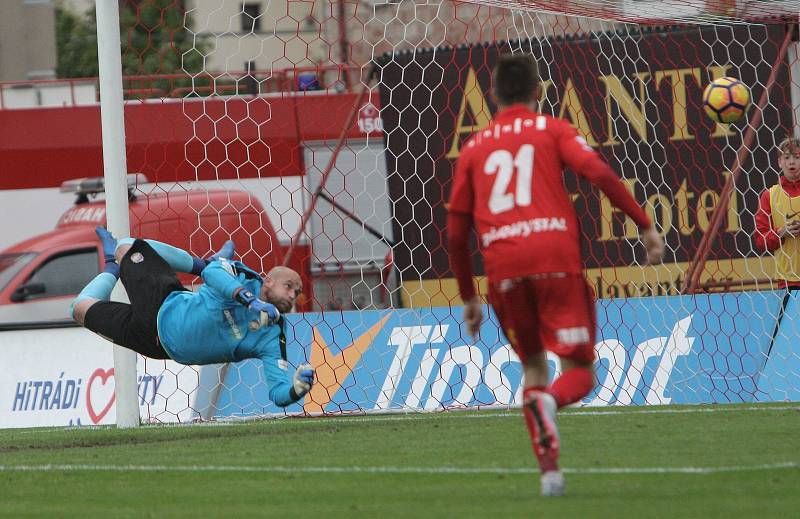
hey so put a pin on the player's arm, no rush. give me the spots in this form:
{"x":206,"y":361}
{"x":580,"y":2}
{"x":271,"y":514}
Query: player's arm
{"x":283,"y":388}
{"x":586,"y":162}
{"x":459,"y":225}
{"x":600,"y":174}
{"x":458,"y":229}
{"x":767,"y":238}
{"x":222,"y":278}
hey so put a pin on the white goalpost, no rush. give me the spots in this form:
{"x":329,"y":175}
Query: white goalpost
{"x":116,"y":189}
{"x":322,"y":135}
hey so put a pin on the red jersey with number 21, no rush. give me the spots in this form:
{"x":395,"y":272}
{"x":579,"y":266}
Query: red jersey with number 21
{"x":509,"y":177}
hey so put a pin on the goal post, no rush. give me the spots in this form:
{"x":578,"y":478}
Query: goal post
{"x":277,"y":119}
{"x":116,"y":188}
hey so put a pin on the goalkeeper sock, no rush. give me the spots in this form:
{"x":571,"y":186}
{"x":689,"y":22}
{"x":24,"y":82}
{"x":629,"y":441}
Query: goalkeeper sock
{"x":112,"y":268}
{"x":571,"y":386}
{"x":178,"y":259}
{"x":99,"y":288}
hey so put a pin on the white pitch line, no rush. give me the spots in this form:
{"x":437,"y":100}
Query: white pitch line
{"x":688,"y":410}
{"x":391,"y":470}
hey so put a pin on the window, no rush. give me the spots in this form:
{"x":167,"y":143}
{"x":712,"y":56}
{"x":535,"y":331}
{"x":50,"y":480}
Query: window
{"x":251,"y":17}
{"x":66,"y":274}
{"x":249,"y":82}
{"x":10,"y":264}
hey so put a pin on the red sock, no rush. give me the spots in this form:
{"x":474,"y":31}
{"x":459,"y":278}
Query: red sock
{"x":546,"y":464}
{"x":571,"y":386}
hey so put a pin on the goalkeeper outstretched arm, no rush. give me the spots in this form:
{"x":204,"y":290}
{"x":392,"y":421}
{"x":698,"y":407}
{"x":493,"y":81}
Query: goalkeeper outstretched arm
{"x":286,"y":389}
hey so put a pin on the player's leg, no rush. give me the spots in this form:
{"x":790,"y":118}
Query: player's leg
{"x":569,"y":329}
{"x":516,"y":308}
{"x":575,"y":382}
{"x":539,"y":408}
{"x":542,"y":406}
{"x":99,"y":288}
{"x":114,"y":321}
{"x":149,"y":280}
{"x":147,"y":283}
{"x":178,"y":259}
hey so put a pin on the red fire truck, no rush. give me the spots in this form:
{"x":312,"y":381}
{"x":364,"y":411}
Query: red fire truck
{"x":40,"y":276}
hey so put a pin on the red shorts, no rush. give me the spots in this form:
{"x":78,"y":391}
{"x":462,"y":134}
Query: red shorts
{"x":547,"y":313}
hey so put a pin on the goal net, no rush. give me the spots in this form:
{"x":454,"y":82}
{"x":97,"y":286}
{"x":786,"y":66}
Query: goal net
{"x":329,"y":130}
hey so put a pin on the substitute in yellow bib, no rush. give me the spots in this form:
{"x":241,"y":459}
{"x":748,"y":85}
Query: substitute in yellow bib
{"x":778,"y":216}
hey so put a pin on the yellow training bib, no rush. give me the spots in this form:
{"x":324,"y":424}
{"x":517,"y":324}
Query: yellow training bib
{"x":786,"y":209}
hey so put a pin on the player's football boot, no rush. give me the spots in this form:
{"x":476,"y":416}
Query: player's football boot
{"x":543,"y":406}
{"x":226,"y":252}
{"x":109,"y":243}
{"x":553,"y":483}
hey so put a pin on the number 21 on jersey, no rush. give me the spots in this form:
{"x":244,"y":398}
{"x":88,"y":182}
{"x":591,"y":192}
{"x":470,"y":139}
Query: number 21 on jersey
{"x":502,"y":164}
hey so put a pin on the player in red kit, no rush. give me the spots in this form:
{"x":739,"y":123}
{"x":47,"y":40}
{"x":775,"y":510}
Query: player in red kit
{"x":508,"y":185}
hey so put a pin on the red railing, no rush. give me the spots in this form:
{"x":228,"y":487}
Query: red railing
{"x":331,"y":77}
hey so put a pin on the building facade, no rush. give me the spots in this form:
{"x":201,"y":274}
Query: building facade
{"x":268,"y":35}
{"x":27,"y":40}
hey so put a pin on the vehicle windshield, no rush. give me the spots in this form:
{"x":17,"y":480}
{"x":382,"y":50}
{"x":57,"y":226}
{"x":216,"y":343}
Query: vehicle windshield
{"x":11,"y":264}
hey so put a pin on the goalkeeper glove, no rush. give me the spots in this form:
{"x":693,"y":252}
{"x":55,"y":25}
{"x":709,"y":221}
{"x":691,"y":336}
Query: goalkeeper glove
{"x":303,"y":379}
{"x":269,"y":314}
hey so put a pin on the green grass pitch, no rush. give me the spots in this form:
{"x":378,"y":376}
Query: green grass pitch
{"x":715,"y":461}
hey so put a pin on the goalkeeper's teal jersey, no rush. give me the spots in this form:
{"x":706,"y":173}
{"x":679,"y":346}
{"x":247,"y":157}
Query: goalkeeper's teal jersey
{"x":209,"y":327}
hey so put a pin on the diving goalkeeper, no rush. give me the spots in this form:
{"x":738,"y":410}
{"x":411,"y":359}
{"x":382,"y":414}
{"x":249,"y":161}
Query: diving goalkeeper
{"x":236,"y":315}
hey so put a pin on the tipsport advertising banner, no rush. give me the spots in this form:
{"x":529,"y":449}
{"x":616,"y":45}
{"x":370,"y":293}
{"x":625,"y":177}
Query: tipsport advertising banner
{"x":650,"y":351}
{"x":662,"y":350}
{"x":780,"y":378}
{"x":643,"y":114}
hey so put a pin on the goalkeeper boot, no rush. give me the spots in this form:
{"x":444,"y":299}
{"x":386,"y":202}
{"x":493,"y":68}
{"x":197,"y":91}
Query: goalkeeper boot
{"x":226,"y":252}
{"x":109,"y":244}
{"x":543,"y":406}
{"x":553,"y":483}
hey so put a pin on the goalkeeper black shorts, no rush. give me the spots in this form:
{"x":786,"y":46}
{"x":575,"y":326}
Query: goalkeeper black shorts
{"x":148,"y":280}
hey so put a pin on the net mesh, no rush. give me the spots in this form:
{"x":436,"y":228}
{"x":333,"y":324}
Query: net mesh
{"x":323,"y":135}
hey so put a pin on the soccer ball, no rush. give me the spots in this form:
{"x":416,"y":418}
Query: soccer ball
{"x":726,"y":99}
